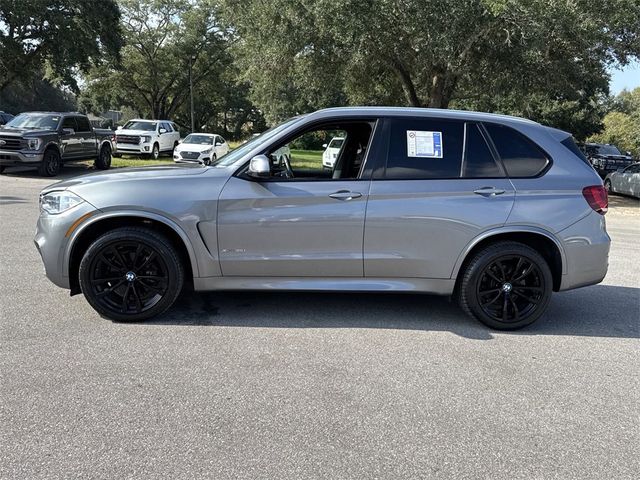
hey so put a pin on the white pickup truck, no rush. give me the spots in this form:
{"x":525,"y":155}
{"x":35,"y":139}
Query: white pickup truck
{"x":147,"y":137}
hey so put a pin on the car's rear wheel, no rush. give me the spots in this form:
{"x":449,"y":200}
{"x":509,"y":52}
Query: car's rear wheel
{"x":51,"y":163}
{"x":131,"y":274}
{"x":2,"y":169}
{"x":103,"y":161}
{"x":506,"y":286}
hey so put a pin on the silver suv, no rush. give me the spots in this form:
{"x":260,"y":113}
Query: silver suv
{"x":496,"y":211}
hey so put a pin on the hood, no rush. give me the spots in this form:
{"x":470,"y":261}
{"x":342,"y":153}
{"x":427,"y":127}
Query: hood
{"x":192,"y":147}
{"x":19,"y":132}
{"x":120,"y":175}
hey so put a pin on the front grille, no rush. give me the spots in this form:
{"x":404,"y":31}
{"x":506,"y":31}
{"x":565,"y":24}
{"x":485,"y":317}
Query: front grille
{"x":130,"y":139}
{"x":190,"y":155}
{"x":10,"y":143}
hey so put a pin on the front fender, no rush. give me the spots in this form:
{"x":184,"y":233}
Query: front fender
{"x":100,"y":216}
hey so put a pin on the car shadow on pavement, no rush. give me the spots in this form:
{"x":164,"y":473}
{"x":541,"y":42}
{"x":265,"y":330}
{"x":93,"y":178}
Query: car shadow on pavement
{"x":68,"y":171}
{"x":598,"y":311}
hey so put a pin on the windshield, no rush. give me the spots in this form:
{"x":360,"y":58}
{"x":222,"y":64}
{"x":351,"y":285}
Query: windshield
{"x":32,"y":121}
{"x":138,"y":125}
{"x":604,"y":150}
{"x":199,"y":139}
{"x":232,"y":157}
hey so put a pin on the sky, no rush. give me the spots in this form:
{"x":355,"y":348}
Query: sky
{"x":628,"y":77}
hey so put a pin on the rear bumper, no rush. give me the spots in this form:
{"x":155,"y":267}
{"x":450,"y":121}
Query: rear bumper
{"x":10,"y":158}
{"x":586,"y":245}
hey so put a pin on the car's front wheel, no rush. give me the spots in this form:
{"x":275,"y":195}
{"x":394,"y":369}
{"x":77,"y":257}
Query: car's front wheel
{"x":51,"y":163}
{"x":506,"y":286}
{"x":155,"y":151}
{"x":607,"y":186}
{"x":131,"y":274}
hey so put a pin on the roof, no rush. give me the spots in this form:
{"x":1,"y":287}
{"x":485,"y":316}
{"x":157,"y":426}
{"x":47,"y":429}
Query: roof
{"x":422,"y":112}
{"x":148,"y":120}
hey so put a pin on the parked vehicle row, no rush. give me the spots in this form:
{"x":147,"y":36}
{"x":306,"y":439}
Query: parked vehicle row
{"x":495,"y":211}
{"x":46,"y":140}
{"x":606,"y":158}
{"x":625,"y":181}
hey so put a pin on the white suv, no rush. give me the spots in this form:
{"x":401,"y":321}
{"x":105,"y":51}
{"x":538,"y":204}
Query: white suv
{"x":147,"y":137}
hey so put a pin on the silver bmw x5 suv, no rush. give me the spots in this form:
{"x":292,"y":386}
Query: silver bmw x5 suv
{"x":497,"y":211}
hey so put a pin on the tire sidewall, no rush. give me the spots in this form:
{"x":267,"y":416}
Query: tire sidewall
{"x":608,"y":186}
{"x":103,"y":162}
{"x":51,"y":163}
{"x":162,"y":246}
{"x":486,"y":257}
{"x":155,"y":152}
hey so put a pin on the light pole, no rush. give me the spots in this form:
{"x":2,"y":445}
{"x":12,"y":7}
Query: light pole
{"x":191,"y":60}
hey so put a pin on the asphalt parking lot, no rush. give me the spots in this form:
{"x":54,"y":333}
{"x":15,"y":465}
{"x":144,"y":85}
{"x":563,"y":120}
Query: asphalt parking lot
{"x":288,"y":385}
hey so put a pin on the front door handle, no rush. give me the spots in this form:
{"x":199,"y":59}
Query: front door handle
{"x":489,"y":191}
{"x":345,"y":195}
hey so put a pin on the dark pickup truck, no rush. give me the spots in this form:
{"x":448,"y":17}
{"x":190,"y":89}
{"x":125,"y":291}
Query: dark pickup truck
{"x":606,"y":158}
{"x":47,"y":140}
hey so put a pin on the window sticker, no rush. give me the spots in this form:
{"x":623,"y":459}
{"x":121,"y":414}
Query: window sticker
{"x":424,"y":144}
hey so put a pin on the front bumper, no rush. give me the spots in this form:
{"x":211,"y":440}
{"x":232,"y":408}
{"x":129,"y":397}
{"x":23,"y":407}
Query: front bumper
{"x":9,"y":158}
{"x":202,"y":158}
{"x":52,"y":241}
{"x":138,"y":149}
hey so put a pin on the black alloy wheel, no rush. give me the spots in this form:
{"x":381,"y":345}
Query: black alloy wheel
{"x":506,"y":286}
{"x":103,"y":162}
{"x":51,"y":163}
{"x":131,"y":274}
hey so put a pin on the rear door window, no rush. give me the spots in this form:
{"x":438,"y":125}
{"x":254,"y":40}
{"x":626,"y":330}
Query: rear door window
{"x":520,"y":156}
{"x":83,"y":124}
{"x":424,"y":148}
{"x":478,"y":159}
{"x":70,"y":122}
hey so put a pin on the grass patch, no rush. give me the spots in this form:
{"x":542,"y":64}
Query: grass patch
{"x":311,"y":159}
{"x":139,"y":162}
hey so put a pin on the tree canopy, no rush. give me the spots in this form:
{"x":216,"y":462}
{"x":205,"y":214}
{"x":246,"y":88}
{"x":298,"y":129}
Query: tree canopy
{"x":622,"y":123}
{"x":56,"y":37}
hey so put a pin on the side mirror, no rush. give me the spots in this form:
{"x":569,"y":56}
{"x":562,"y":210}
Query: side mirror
{"x":163,"y":130}
{"x":119,"y":127}
{"x":324,"y":145}
{"x":68,"y":131}
{"x":259,"y":166}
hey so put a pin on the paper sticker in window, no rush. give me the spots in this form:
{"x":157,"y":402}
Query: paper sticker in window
{"x":424,"y":144}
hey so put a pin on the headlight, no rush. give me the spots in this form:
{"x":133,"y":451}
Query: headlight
{"x":208,"y":151}
{"x":145,"y":139}
{"x":58,"y":202}
{"x":33,"y":143}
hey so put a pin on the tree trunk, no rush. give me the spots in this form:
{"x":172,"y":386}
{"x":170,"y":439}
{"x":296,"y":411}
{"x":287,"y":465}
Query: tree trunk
{"x":407,"y":84}
{"x":443,"y":84}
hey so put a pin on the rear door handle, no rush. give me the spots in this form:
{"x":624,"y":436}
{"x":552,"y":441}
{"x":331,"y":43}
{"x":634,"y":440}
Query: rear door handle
{"x":345,"y":195}
{"x":489,"y":191}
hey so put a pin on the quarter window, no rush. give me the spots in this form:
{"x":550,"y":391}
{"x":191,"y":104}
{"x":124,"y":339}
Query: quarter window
{"x":425,"y":149}
{"x":520,"y":156}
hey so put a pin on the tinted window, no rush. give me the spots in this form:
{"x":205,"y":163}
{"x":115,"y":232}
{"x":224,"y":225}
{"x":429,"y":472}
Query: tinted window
{"x":425,"y":148}
{"x":83,"y":124}
{"x":166,"y":126}
{"x":70,"y":122}
{"x":221,"y":140}
{"x":478,"y":161}
{"x":571,"y":145}
{"x":520,"y":156}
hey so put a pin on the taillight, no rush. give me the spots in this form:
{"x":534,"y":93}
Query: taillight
{"x":596,"y":197}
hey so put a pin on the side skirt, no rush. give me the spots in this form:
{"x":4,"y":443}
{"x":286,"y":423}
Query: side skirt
{"x":425,"y":285}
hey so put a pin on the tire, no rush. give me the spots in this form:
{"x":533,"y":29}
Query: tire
{"x":103,"y":161}
{"x":2,"y":167}
{"x":131,"y":274}
{"x":608,"y":187}
{"x":155,"y":151}
{"x":51,"y":163}
{"x":506,"y":276}
{"x":175,"y":144}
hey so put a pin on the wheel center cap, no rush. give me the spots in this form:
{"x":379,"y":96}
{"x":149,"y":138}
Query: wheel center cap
{"x":507,"y":287}
{"x":130,"y":276}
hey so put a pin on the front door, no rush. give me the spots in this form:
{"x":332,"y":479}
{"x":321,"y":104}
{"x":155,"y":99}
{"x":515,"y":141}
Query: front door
{"x":302,"y":221}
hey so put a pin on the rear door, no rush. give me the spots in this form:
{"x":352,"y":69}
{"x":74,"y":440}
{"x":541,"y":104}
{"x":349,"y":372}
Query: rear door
{"x":440,"y":187}
{"x":86,"y":137}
